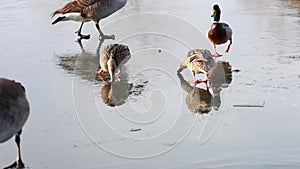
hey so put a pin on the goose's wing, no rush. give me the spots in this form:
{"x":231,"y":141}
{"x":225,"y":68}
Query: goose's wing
{"x":75,"y":6}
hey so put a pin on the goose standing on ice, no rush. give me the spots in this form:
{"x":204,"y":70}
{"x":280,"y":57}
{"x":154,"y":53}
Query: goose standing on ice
{"x":14,"y":111}
{"x":219,"y":32}
{"x":112,"y":58}
{"x":87,"y":10}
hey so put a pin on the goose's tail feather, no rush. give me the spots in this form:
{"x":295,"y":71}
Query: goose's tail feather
{"x":58,"y":19}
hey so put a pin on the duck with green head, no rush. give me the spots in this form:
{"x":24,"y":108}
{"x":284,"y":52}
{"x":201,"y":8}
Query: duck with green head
{"x":219,"y":32}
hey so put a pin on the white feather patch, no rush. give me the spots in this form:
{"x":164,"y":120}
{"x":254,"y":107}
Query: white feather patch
{"x":75,"y":16}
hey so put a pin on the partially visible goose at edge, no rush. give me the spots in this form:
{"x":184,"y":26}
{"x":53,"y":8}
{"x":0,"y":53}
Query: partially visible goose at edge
{"x":219,"y":32}
{"x":14,"y":111}
{"x":112,"y":58}
{"x":198,"y":61}
{"x":87,"y":10}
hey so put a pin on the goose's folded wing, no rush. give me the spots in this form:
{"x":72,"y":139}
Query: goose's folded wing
{"x":75,"y":6}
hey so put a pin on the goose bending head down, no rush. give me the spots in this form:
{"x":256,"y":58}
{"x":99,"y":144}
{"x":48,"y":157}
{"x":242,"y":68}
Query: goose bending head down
{"x":88,"y":10}
{"x":14,"y":111}
{"x":112,"y":58}
{"x":219,"y":32}
{"x":198,"y":61}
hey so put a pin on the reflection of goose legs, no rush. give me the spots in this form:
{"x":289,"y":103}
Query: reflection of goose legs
{"x":98,"y":48}
{"x":19,"y":163}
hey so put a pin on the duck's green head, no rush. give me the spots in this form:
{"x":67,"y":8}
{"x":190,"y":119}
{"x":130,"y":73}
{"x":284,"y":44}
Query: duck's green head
{"x":216,"y":13}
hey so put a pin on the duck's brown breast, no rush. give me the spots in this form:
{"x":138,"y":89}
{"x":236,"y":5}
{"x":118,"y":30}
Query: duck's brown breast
{"x":217,"y":34}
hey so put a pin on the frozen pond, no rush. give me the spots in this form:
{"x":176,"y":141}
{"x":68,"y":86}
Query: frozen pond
{"x":153,"y":119}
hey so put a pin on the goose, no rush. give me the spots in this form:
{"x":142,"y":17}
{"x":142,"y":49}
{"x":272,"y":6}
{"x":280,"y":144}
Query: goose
{"x":197,"y":61}
{"x":219,"y":32}
{"x":87,"y":10}
{"x":112,"y":58}
{"x":14,"y":111}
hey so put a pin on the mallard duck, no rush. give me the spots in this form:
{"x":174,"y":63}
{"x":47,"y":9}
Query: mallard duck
{"x":112,"y":58}
{"x":87,"y":10}
{"x":219,"y":32}
{"x":14,"y":111}
{"x":197,"y":61}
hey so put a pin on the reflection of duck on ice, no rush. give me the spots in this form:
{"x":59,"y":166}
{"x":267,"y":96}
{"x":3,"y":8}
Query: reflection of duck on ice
{"x":83,"y":64}
{"x":115,"y":93}
{"x":220,"y":77}
{"x":200,"y":100}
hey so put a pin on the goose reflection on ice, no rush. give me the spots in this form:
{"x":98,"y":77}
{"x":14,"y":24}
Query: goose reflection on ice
{"x":201,"y":100}
{"x":84,"y":64}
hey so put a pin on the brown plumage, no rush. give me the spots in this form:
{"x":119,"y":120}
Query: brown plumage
{"x":14,"y":111}
{"x":197,"y":61}
{"x":87,"y":10}
{"x":112,"y":58}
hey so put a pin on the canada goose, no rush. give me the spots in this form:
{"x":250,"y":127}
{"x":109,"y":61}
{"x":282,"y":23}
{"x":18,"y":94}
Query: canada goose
{"x":112,"y":58}
{"x":14,"y":111}
{"x":87,"y":10}
{"x":197,"y":61}
{"x":219,"y":32}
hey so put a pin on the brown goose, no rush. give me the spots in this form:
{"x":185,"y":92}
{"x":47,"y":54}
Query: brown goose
{"x":87,"y":10}
{"x":198,"y":61}
{"x":219,"y":32}
{"x":14,"y":111}
{"x":112,"y":58}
